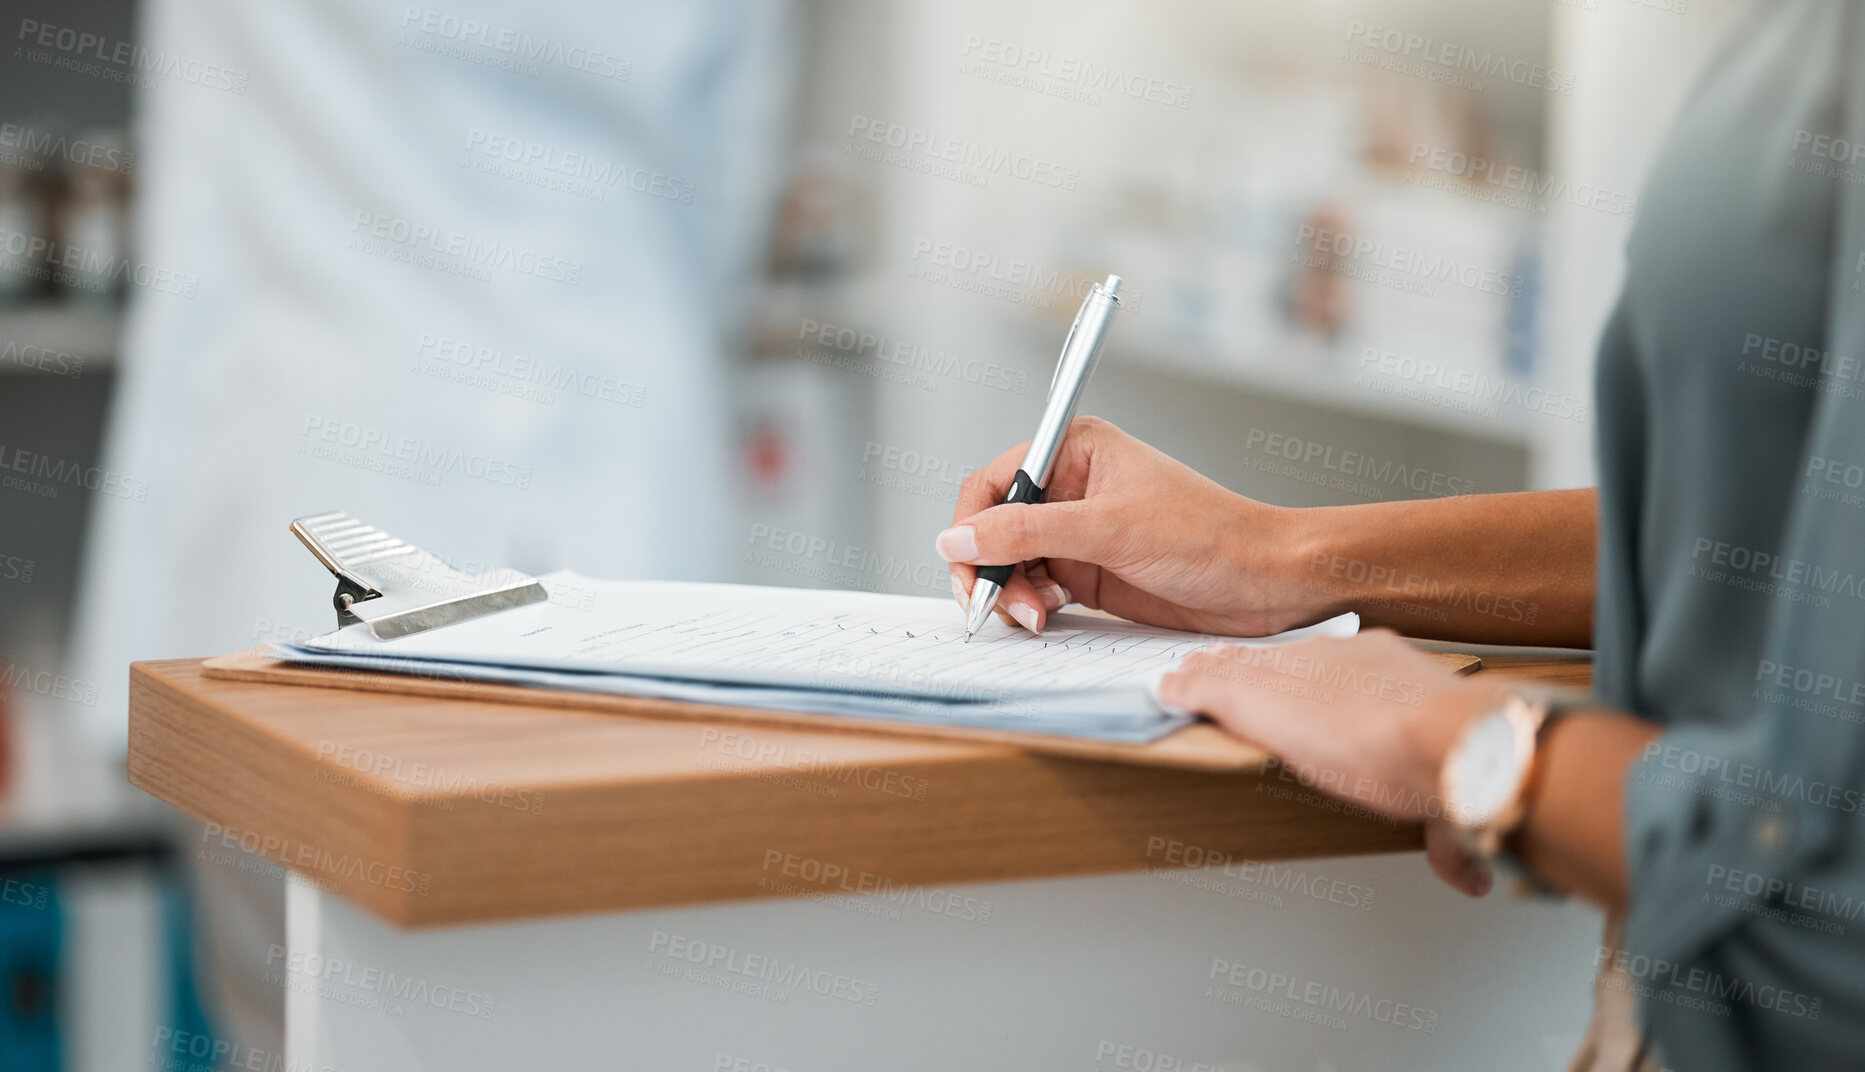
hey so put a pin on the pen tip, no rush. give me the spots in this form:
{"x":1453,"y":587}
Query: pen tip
{"x":967,"y":636}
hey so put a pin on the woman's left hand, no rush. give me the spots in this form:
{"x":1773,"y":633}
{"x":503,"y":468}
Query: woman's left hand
{"x":1366,"y":719}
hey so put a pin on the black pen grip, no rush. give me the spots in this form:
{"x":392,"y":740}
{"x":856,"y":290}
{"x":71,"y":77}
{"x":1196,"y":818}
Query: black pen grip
{"x":1022,"y":490}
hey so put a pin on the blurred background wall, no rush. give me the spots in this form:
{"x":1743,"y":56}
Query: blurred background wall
{"x":1355,"y":272}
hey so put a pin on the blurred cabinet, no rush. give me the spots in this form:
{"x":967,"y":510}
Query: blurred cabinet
{"x":31,"y":944}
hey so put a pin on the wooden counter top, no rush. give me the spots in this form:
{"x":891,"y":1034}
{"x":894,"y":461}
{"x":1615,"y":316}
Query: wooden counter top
{"x":429,"y":812}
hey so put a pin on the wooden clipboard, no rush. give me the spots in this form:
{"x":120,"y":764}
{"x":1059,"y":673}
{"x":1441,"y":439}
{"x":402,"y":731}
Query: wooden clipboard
{"x":1200,"y":746}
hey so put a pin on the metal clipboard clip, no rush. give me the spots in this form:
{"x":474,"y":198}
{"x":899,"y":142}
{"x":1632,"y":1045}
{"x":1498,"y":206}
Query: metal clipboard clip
{"x":397,"y":589}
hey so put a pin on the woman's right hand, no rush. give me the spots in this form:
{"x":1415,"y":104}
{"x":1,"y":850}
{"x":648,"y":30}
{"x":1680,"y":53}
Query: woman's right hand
{"x":1126,"y":529}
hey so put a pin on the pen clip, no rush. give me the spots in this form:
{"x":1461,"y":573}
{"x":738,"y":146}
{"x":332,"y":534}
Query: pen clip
{"x":1062,"y":357}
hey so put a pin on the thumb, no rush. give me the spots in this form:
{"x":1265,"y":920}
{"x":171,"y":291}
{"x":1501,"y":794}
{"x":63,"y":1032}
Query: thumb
{"x":1467,"y":874}
{"x":1019,"y":532}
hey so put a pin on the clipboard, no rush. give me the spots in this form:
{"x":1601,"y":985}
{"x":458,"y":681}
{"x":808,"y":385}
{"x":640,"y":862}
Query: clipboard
{"x":396,"y":587}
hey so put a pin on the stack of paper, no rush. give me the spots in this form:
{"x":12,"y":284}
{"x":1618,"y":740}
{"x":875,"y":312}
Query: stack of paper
{"x":857,"y":654}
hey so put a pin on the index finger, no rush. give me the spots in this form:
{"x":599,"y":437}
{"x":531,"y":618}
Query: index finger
{"x":983,"y":489}
{"x":986,"y":486}
{"x":1069,"y":475}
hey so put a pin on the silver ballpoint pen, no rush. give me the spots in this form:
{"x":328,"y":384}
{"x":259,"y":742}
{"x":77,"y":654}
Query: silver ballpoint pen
{"x":1080,"y":351}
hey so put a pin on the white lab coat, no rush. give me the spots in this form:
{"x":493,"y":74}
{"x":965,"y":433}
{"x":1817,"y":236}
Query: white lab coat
{"x":292,"y":380}
{"x":290,"y":383}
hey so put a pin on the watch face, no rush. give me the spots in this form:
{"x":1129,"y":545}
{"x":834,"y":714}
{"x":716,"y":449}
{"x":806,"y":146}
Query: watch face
{"x":1484,"y":771}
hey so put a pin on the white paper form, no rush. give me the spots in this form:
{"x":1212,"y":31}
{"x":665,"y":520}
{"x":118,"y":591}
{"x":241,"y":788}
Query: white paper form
{"x":856,"y":653}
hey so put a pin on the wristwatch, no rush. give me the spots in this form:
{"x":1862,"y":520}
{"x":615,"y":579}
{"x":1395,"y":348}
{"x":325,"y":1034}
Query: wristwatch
{"x":1489,"y":774}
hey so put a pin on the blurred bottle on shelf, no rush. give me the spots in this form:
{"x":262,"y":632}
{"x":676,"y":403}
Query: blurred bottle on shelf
{"x":1320,"y":300}
{"x":24,"y":234}
{"x":64,"y":210}
{"x":824,"y":224}
{"x":91,"y":220}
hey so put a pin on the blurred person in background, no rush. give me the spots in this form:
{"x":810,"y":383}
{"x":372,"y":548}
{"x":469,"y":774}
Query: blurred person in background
{"x":1708,"y":794}
{"x":472,"y":272}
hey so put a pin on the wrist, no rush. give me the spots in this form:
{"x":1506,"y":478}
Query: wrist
{"x":1297,"y":556}
{"x":1437,"y":724}
{"x":1263,"y":550}
{"x":1323,"y":548}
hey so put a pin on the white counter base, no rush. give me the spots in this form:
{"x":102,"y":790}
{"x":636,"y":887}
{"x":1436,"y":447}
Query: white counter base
{"x":1059,"y":974}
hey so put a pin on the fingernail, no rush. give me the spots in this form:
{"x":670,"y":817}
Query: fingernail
{"x":959,"y":593}
{"x":1025,"y":615}
{"x":1055,"y":597}
{"x":958,"y":544}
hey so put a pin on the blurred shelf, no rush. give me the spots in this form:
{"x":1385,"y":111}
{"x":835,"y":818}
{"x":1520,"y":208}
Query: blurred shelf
{"x":1295,"y":368}
{"x":139,"y":832}
{"x":70,"y":799}
{"x":1304,"y":371}
{"x":47,"y":339}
